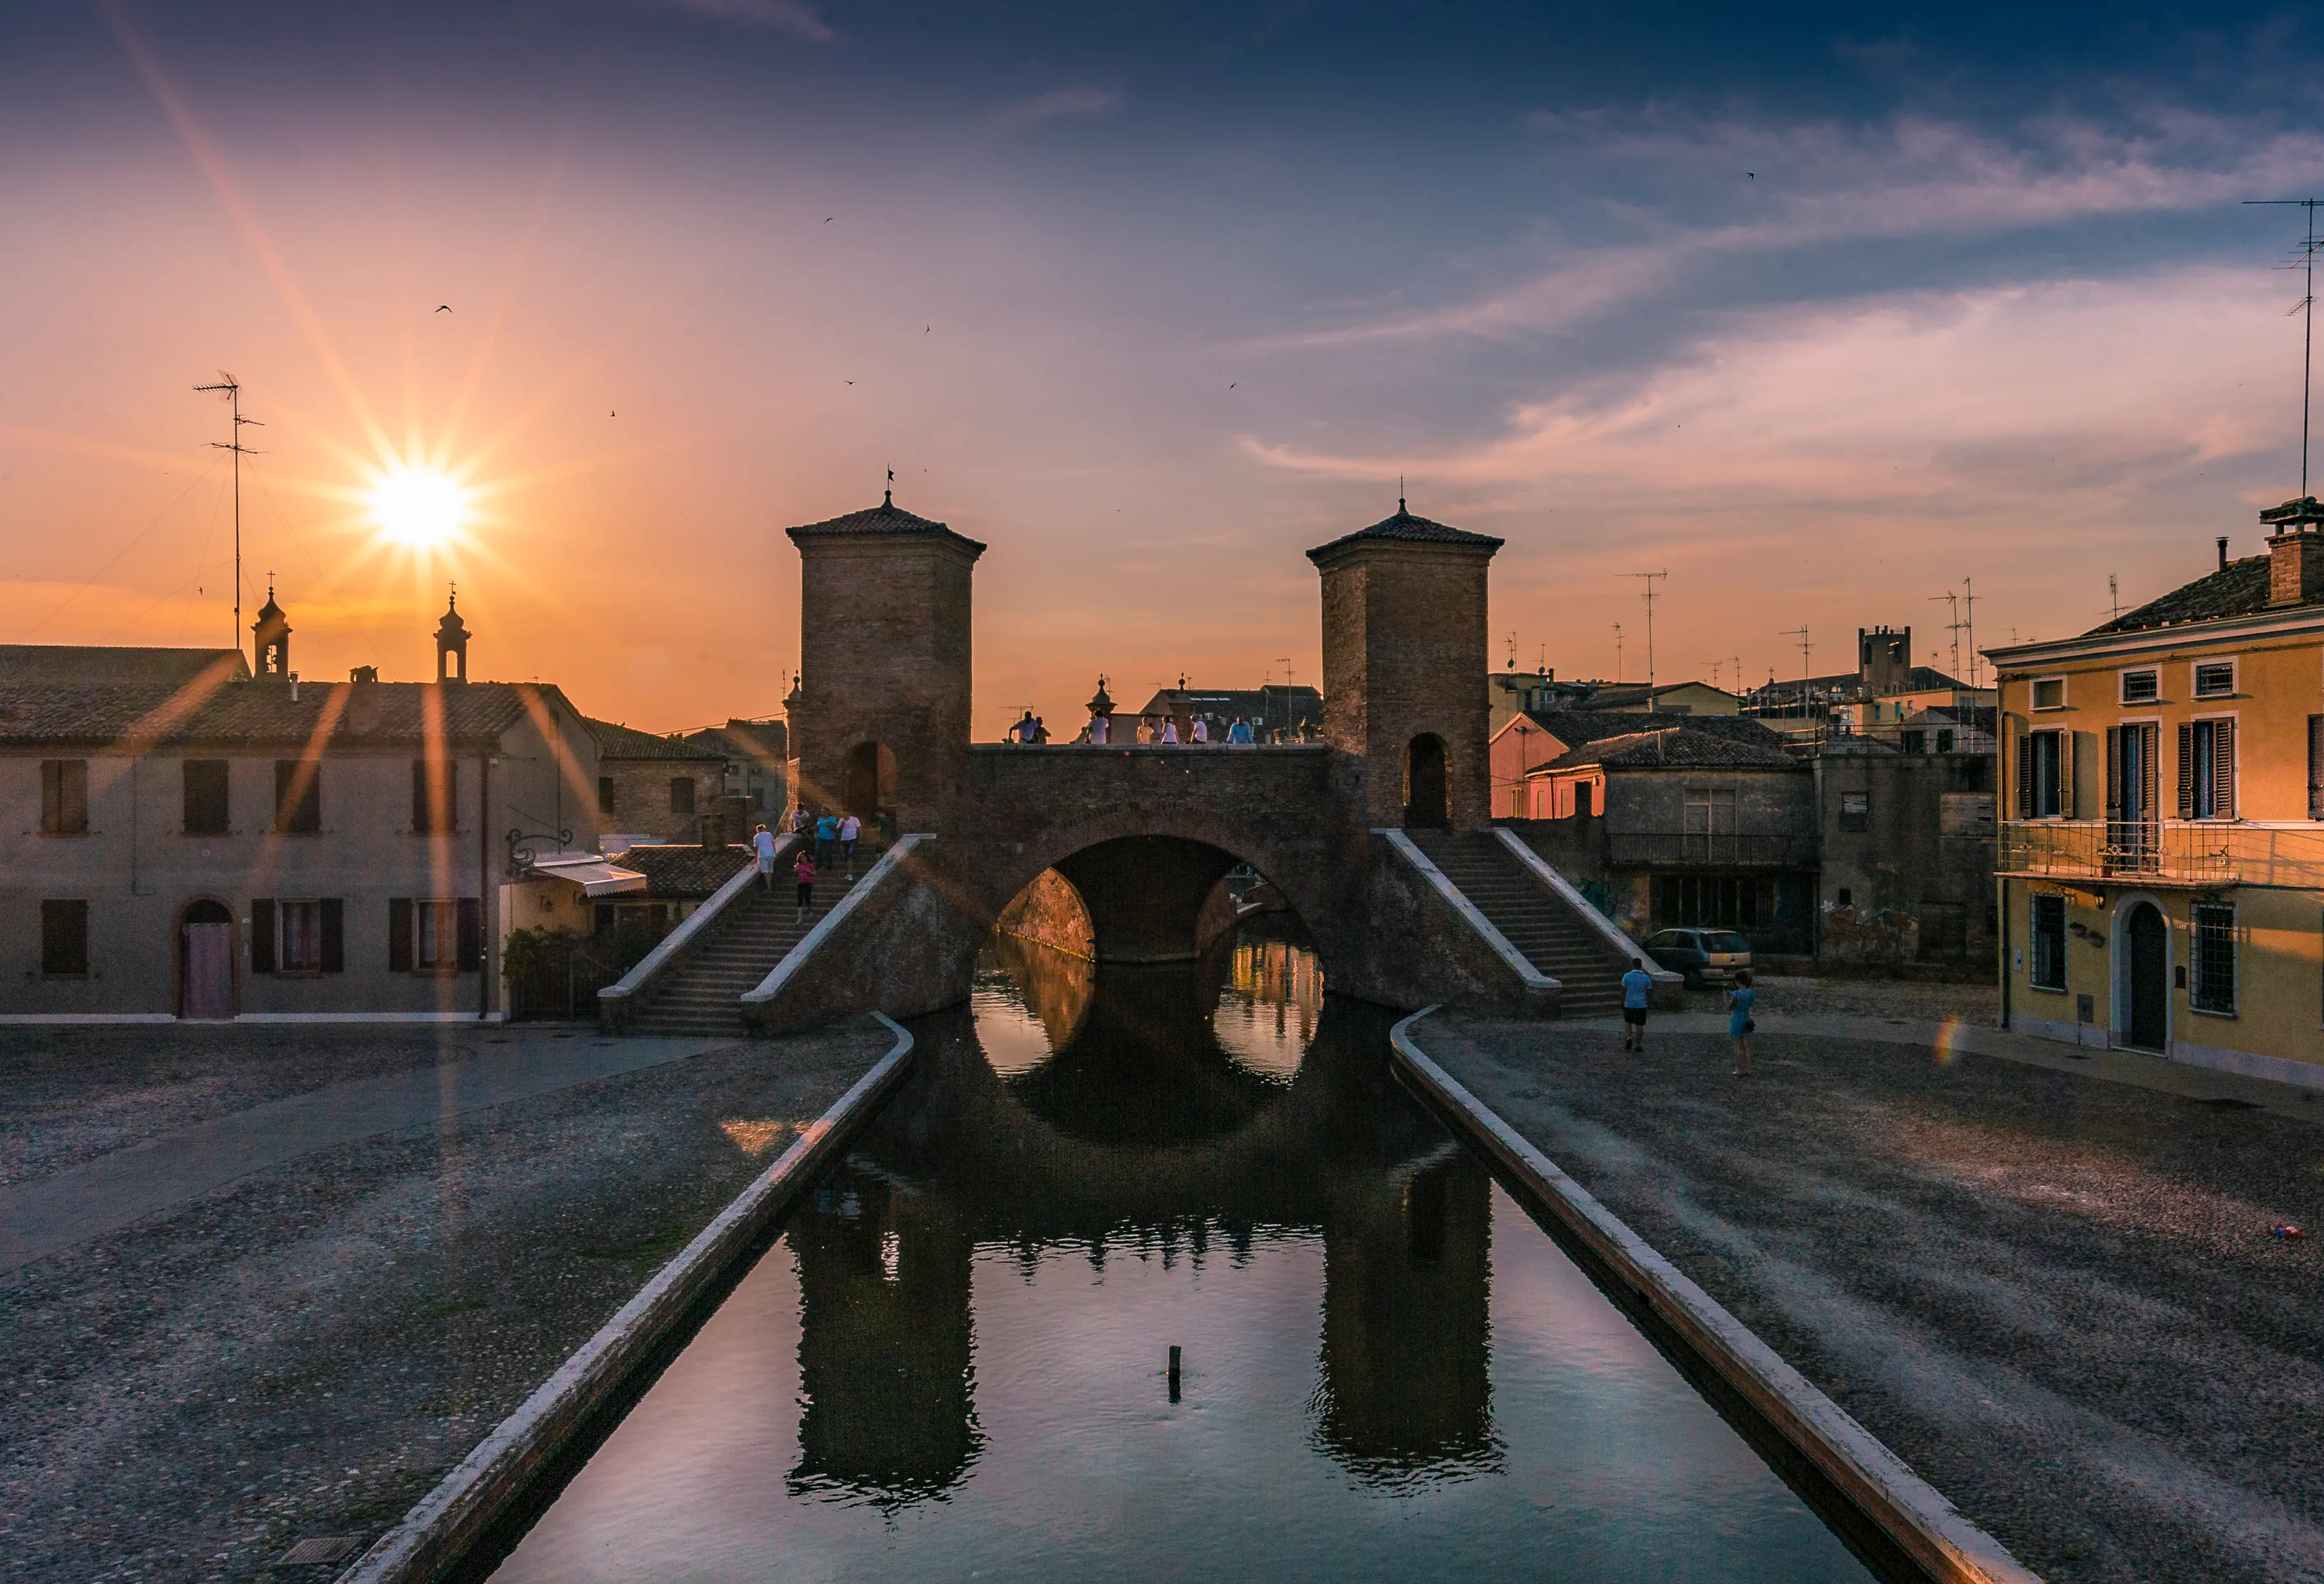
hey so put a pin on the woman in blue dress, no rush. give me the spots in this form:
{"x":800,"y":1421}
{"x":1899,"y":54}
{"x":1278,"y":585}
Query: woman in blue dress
{"x":1739,"y":1020}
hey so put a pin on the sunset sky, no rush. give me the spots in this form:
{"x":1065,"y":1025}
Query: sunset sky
{"x":1823,"y":311}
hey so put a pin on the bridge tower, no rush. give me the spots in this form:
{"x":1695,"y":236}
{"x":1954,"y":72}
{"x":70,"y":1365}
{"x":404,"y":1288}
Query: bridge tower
{"x":1404,"y":667}
{"x":881,"y":722}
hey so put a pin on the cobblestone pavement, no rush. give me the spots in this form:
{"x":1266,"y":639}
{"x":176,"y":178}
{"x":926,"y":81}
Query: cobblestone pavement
{"x":2059,"y":1299}
{"x":306,"y":1351}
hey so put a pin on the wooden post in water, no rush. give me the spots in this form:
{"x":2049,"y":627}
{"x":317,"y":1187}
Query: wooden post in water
{"x":1173,"y":1372}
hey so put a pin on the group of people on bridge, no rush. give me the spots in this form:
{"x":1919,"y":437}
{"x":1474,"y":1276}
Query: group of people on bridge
{"x":1032,"y":733}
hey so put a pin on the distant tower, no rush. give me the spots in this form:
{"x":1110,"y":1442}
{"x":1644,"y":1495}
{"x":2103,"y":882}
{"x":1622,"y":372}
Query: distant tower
{"x":883,"y":714}
{"x":452,"y":643}
{"x":1101,"y":703}
{"x":272,"y":632}
{"x":1406,"y":662}
{"x":1884,"y":660}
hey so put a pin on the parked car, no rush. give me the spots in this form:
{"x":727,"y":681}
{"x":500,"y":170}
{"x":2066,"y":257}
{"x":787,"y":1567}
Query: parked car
{"x":1706,"y":956}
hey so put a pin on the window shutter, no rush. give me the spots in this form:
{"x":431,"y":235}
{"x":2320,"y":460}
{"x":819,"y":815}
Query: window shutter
{"x":2025,"y":775}
{"x":2114,"y":771}
{"x":2186,"y":771}
{"x":472,"y":934}
{"x":334,"y":911}
{"x":52,"y":797}
{"x":2223,"y":768}
{"x":2316,"y":766}
{"x":2066,"y":775}
{"x":419,"y":795}
{"x":2149,"y":772}
{"x":261,"y":935}
{"x":73,"y":784}
{"x":399,"y":934}
{"x":286,"y":775}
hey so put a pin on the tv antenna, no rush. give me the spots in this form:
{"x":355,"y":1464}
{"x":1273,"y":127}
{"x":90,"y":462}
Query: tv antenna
{"x":2304,"y":261}
{"x":232,"y":388}
{"x":1618,"y":654}
{"x":1801,"y":632}
{"x":2114,"y":597}
{"x":1952,"y":604}
{"x":1968,"y":626}
{"x":1513,"y":652}
{"x":1649,"y":578}
{"x":1714,"y":666}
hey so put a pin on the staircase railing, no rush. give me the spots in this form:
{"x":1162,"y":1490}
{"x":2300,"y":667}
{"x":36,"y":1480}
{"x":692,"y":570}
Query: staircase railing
{"x":1540,"y":988}
{"x":616,"y":1002}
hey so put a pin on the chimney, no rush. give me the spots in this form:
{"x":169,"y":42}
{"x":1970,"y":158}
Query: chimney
{"x":2295,"y":553}
{"x":2223,"y":552}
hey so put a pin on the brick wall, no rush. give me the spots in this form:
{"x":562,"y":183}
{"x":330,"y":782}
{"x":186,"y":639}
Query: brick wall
{"x":642,"y":795}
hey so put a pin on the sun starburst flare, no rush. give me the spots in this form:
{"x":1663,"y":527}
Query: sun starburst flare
{"x":418,"y":507}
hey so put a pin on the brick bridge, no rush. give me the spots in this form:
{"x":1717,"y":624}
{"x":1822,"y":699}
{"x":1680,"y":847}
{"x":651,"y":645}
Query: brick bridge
{"x":1378,"y":836}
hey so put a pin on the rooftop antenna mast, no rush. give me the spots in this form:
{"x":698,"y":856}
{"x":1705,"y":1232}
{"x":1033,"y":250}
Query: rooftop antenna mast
{"x":1968,"y":626}
{"x":2304,"y":261}
{"x":1801,"y":632}
{"x":1952,"y":604}
{"x":1649,"y":578}
{"x":1618,"y":654}
{"x":232,"y":389}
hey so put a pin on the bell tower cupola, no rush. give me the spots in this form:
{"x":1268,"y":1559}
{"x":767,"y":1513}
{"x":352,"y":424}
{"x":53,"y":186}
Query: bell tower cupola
{"x":452,"y":643}
{"x":272,"y":632}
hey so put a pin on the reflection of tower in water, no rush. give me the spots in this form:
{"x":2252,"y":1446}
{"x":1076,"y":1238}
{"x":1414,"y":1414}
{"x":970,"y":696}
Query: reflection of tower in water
{"x":885,"y":1335}
{"x":1407,"y":1389}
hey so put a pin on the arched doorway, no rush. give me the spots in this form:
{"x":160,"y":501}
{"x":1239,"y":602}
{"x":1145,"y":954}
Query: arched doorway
{"x":206,"y":962}
{"x":2145,"y":977}
{"x":1427,"y":795}
{"x":870,"y":781}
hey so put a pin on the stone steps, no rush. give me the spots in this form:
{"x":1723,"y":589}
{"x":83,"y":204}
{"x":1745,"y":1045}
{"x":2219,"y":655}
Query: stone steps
{"x":701,"y":997}
{"x":1535,"y":920}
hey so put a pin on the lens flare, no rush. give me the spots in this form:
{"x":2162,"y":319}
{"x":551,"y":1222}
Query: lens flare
{"x":418,"y":507}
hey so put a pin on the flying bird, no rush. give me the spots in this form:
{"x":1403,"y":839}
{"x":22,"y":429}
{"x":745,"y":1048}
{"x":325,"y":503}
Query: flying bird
{"x":827,"y":219}
{"x":1751,"y":175}
{"x":443,"y":308}
{"x":851,"y":382}
{"x":1230,"y":384}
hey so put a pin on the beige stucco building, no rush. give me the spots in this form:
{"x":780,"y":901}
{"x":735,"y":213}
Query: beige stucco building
{"x":2162,"y":854}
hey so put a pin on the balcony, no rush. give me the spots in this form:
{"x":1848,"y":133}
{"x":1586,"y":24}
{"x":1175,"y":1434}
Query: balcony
{"x":2168,"y":853}
{"x":1704,"y":850}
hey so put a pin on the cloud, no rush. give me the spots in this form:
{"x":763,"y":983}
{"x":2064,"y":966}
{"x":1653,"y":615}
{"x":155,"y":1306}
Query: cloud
{"x":1824,"y":185}
{"x":2072,"y":405}
{"x":795,"y":17}
{"x":1081,"y":103}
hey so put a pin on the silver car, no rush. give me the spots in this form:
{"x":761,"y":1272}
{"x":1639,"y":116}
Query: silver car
{"x":1705,"y":956}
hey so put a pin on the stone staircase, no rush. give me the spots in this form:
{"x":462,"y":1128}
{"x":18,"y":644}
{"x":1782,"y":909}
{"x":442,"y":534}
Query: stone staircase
{"x":1536,"y":920}
{"x":699,"y":996}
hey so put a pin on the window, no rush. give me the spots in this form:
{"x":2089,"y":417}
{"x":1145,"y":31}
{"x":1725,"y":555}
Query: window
{"x":681,"y":795}
{"x":1916,"y":741}
{"x":2142,"y":686}
{"x":205,"y":797}
{"x":432,"y":934}
{"x":1944,"y":739}
{"x":298,"y":797}
{"x":303,"y":936}
{"x":2214,"y":955}
{"x":2131,"y":784}
{"x":1583,"y":791}
{"x":2049,"y":692}
{"x":64,"y":939}
{"x":64,"y":797}
{"x":2043,"y":769}
{"x":2047,"y":968}
{"x":435,"y":796}
{"x":1855,"y":811}
{"x":1847,"y":897}
{"x":2207,"y":770}
{"x":605,"y":794}
{"x":2215,"y":680}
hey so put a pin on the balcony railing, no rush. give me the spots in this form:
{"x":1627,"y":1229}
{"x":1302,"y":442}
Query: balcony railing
{"x":1703,"y":848}
{"x":2170,"y":852}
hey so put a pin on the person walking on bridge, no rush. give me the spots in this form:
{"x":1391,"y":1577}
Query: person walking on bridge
{"x":826,"y":836}
{"x":803,"y":878}
{"x":1239,"y":735}
{"x":1202,"y":728}
{"x":850,"y":829}
{"x":1637,"y":989}
{"x":763,"y":844}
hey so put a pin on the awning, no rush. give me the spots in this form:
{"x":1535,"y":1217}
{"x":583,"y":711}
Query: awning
{"x":595,"y":876}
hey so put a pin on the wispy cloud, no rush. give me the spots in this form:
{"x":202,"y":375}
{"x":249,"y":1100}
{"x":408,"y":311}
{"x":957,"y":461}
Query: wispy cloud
{"x":1821,"y":185}
{"x":1081,"y":103}
{"x":795,"y":17}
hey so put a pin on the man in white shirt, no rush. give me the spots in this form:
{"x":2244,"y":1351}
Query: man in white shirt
{"x":763,"y":842}
{"x":849,"y":829}
{"x":1202,"y":728}
{"x":1099,"y":729}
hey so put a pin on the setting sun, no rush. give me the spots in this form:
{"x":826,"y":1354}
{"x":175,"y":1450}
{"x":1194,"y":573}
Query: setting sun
{"x":419,"y":506}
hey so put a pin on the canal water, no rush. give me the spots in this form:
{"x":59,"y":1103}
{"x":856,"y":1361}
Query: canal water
{"x":954,"y":1363}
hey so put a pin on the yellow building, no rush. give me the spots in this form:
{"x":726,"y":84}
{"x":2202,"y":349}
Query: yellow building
{"x":2160,"y":867}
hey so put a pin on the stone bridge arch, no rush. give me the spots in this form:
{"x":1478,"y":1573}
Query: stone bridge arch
{"x":1144,"y":833}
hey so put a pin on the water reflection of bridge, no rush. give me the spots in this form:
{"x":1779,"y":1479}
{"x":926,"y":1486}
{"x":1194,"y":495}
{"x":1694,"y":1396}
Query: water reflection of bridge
{"x":1146,"y":1130}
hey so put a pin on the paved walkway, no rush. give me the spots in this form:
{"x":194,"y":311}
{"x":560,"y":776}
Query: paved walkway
{"x":49,"y":1214}
{"x":1955,"y":1037}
